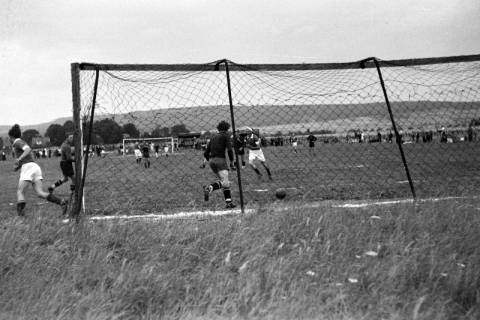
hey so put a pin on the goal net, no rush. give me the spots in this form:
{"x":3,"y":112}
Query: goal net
{"x":368,"y":129}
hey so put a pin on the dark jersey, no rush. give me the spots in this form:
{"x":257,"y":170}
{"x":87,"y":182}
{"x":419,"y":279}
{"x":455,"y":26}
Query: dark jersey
{"x":145,"y":151}
{"x":311,"y":140}
{"x":18,"y":146}
{"x":66,"y":152}
{"x":217,"y":146}
{"x":240,"y":144}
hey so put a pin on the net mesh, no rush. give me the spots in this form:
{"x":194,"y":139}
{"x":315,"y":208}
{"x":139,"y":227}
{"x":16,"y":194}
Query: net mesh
{"x":326,"y":133}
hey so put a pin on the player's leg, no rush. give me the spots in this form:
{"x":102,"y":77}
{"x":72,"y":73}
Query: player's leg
{"x":261,"y":158}
{"x":214,"y":185}
{"x":38,"y":186}
{"x":251,"y":161}
{"x":22,"y":184}
{"x":225,"y":184}
{"x":57,"y":183}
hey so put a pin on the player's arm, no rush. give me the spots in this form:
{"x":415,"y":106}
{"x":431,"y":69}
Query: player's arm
{"x":206,"y":154}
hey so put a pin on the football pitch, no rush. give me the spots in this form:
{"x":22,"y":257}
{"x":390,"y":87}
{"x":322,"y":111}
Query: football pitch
{"x":118,"y":185}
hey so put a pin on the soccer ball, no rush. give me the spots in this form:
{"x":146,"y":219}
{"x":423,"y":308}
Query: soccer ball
{"x":280,"y":193}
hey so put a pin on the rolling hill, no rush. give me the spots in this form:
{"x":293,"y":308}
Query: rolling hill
{"x":270,"y":119}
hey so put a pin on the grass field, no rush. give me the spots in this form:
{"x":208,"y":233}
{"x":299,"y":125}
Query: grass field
{"x":339,"y":171}
{"x":286,"y":260}
{"x":403,"y":261}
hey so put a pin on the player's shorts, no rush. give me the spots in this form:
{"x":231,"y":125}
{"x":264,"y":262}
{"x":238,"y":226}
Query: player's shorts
{"x":67,"y":168}
{"x":241,"y":151}
{"x":256,"y":154}
{"x":146,"y":155}
{"x":294,"y":144}
{"x":311,"y":144}
{"x":30,"y":172}
{"x":138,"y":154}
{"x":218,"y":164}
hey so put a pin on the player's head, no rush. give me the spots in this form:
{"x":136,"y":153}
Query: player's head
{"x":70,"y":138}
{"x":223,"y":126}
{"x":15,"y":132}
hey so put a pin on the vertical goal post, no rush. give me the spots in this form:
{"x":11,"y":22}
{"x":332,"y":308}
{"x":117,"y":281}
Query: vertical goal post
{"x":418,"y":101}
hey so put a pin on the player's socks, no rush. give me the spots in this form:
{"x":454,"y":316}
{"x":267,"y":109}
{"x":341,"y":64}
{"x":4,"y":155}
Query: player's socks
{"x":21,"y":208}
{"x":227,"y":195}
{"x":216,"y":185}
{"x":257,"y":171}
{"x":268,"y":171}
{"x":57,"y":183}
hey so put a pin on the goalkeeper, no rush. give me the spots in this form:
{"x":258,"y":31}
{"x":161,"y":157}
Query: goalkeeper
{"x":65,"y":165}
{"x":215,"y":155}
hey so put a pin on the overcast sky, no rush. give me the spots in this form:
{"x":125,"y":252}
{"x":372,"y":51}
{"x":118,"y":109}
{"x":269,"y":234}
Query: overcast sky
{"x":40,"y":38}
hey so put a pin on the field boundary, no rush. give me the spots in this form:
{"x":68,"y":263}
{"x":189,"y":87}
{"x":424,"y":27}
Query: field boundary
{"x":276,"y":207}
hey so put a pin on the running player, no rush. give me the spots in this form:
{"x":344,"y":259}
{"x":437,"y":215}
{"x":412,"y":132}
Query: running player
{"x":255,"y":153}
{"x":215,"y":155}
{"x":30,"y":172}
{"x":65,"y":165}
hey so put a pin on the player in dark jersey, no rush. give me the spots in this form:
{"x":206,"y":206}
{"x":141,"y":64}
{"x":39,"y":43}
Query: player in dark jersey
{"x":215,"y":155}
{"x":311,"y":141}
{"x":30,"y":172}
{"x":66,"y":165}
{"x":240,"y":144}
{"x":145,"y":148}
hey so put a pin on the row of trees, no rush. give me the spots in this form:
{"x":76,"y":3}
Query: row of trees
{"x":105,"y":131}
{"x":108,"y":131}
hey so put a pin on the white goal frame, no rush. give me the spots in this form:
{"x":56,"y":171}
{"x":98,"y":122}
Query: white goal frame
{"x":169,"y":140}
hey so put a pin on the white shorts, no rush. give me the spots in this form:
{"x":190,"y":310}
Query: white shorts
{"x":256,"y":154}
{"x":294,"y":144}
{"x":30,"y":171}
{"x":138,"y":153}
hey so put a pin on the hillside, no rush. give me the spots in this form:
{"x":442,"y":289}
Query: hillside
{"x":340,"y":118}
{"x":270,"y":119}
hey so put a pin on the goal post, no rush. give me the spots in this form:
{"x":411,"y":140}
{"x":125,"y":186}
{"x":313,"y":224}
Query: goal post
{"x":349,"y":122}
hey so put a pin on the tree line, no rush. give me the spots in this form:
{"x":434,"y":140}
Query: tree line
{"x":105,"y":131}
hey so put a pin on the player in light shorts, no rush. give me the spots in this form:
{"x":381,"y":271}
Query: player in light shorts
{"x":255,"y":153}
{"x":138,"y":155}
{"x":30,"y":173}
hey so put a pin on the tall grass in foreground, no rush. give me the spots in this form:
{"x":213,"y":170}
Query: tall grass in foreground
{"x":399,"y":262}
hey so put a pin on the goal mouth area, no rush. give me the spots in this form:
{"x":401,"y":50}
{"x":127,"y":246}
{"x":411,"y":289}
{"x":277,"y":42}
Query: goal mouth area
{"x":381,"y":130}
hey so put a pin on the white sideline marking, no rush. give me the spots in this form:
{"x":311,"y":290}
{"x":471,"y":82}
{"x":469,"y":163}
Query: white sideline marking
{"x":275,"y":207}
{"x":180,"y":215}
{"x":261,"y":190}
{"x":380,"y":203}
